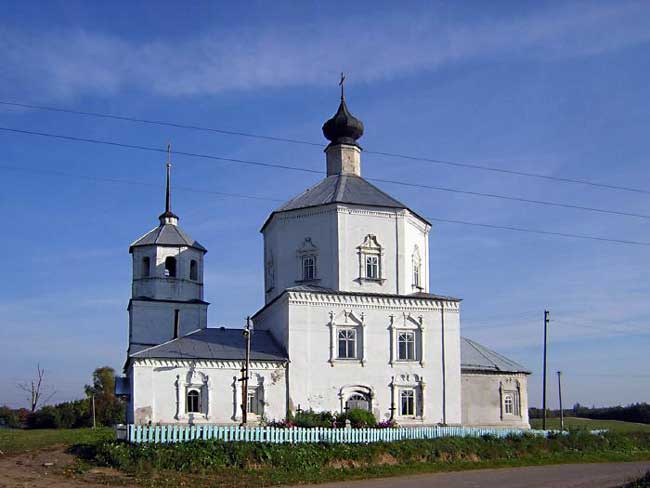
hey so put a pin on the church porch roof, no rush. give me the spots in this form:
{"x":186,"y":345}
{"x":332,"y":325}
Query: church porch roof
{"x":219,"y":344}
{"x":476,"y":357}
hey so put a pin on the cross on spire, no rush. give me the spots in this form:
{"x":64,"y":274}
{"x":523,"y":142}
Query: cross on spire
{"x":168,"y":196}
{"x":168,"y":217}
{"x":341,"y":82}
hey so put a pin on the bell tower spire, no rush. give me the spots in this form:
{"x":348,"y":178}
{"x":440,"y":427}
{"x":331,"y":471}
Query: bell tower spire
{"x":168,"y":217}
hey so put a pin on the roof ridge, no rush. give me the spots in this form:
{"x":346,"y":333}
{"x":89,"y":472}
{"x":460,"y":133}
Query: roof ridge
{"x":339,"y":191}
{"x":477,"y":349}
{"x":168,"y":342}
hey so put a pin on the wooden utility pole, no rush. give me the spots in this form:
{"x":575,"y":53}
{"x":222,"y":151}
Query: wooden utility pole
{"x":244,"y":372}
{"x":559,"y":392}
{"x":546,"y":321}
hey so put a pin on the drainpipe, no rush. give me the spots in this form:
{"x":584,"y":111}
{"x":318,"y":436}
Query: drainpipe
{"x":177,"y":323}
{"x":444,"y":367}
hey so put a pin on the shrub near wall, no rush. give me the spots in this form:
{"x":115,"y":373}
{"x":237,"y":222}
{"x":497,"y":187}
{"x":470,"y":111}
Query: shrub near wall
{"x":205,"y":456}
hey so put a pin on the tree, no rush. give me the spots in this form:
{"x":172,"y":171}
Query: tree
{"x":36,"y":389}
{"x":109,"y":409}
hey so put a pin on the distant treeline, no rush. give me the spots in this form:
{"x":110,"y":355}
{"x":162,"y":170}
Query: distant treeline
{"x":109,"y":410}
{"x":637,"y":412}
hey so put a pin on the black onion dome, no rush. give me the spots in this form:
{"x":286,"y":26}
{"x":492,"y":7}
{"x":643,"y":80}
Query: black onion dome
{"x":343,"y":128}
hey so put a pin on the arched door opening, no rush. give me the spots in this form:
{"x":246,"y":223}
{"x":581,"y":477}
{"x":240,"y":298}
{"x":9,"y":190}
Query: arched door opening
{"x":358,"y":400}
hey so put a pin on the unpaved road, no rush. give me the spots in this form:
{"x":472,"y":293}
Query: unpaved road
{"x":29,"y":470}
{"x":607,"y":475}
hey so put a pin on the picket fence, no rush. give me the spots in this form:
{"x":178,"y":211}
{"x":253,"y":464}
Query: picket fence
{"x":183,"y":433}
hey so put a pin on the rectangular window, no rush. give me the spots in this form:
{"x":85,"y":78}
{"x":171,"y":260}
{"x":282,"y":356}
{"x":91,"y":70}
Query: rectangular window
{"x":308,"y":268}
{"x":347,"y":339}
{"x":407,"y":403}
{"x":372,"y":267}
{"x":416,"y":275}
{"x":406,"y":346}
{"x":254,"y":404}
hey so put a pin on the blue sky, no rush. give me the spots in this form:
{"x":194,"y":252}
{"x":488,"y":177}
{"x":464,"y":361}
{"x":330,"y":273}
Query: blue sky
{"x":548,"y":87}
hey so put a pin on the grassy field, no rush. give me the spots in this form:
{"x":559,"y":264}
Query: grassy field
{"x":589,"y":424}
{"x":17,"y":441}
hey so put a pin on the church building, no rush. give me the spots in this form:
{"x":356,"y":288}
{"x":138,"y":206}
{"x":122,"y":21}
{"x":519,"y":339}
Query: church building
{"x":348,"y":319}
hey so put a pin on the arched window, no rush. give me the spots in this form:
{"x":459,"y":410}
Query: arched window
{"x":146,"y":266}
{"x":508,"y":404}
{"x":193,"y":401}
{"x":170,"y":267}
{"x":194,"y":270}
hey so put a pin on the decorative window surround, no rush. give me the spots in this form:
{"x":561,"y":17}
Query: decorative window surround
{"x":408,"y":382}
{"x":416,"y":274}
{"x":193,"y":381}
{"x":307,"y":262}
{"x":408,"y":324}
{"x":371,"y":257}
{"x":350,"y":321}
{"x":510,"y":389}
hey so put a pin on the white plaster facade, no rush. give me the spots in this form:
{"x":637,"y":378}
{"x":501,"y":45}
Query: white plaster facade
{"x":161,"y":386}
{"x":495,"y":400}
{"x":319,"y":379}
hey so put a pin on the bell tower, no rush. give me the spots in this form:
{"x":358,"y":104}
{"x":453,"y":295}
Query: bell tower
{"x":167,"y":286}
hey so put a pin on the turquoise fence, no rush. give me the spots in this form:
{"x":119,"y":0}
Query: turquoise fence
{"x":183,"y":433}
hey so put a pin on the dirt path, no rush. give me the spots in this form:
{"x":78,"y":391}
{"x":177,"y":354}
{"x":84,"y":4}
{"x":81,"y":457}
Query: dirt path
{"x":53,"y":468}
{"x":606,"y":475}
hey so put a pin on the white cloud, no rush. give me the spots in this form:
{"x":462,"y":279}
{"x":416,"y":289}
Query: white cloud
{"x":71,"y":63}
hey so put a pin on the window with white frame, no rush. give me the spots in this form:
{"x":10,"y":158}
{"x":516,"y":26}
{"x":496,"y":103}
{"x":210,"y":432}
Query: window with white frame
{"x":347,"y":343}
{"x":308,"y":261}
{"x":406,"y":345}
{"x":372,"y":267}
{"x":510,"y":403}
{"x":193,"y":401}
{"x":254,"y":402}
{"x":407,"y":402}
{"x":308,"y":268}
{"x":370,"y":259}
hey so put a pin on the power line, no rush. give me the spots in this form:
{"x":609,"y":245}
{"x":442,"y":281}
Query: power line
{"x":252,"y":135}
{"x":258,"y":197}
{"x":543,"y":232}
{"x":313,"y":171}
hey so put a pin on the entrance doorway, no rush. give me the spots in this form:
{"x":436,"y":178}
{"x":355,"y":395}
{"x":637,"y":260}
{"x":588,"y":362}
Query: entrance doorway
{"x":358,"y":400}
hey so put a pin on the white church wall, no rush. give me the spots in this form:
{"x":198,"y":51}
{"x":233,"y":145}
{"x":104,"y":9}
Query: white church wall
{"x":338,"y":231}
{"x":160,"y":388}
{"x":483,"y":399}
{"x":152,"y":322}
{"x":320,"y":381}
{"x":284,"y":238}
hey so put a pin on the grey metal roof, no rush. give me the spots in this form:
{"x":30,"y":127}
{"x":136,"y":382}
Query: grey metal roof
{"x":350,"y":189}
{"x":167,"y":235}
{"x":217,"y":343}
{"x":475,"y":357}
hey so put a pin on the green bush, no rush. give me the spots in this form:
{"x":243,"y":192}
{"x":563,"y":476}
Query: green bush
{"x":309,"y":418}
{"x":9,"y":418}
{"x":358,"y":417}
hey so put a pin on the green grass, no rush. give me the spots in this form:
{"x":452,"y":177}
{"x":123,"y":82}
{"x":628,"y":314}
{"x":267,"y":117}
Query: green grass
{"x":215,"y":463}
{"x":589,"y":424}
{"x":13,"y":441}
